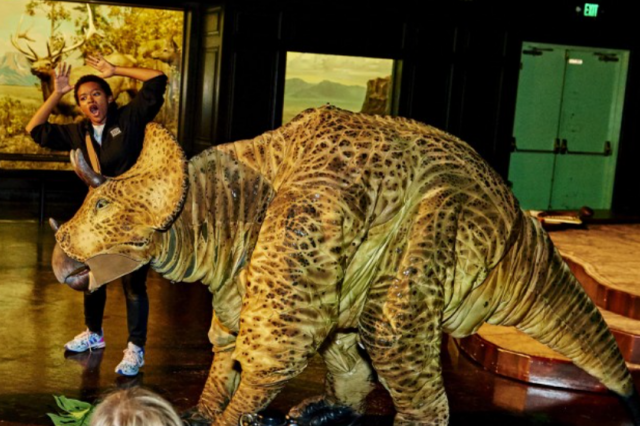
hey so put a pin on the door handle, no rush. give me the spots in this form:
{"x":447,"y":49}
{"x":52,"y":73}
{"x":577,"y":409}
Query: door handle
{"x":563,"y":148}
{"x":514,"y":148}
{"x":606,"y":151}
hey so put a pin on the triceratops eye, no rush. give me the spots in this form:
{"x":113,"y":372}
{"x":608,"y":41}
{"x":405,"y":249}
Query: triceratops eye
{"x":101,"y":203}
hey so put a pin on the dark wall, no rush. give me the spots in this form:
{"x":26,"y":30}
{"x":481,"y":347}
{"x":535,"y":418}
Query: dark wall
{"x":458,"y":64}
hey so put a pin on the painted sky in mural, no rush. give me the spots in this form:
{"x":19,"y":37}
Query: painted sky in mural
{"x":316,"y":79}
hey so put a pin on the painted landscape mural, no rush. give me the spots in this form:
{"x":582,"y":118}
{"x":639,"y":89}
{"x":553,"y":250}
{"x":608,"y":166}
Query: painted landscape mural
{"x":38,"y":35}
{"x":349,"y":82}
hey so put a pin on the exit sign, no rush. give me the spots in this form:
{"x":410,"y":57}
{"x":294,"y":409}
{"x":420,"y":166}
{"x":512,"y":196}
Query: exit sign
{"x":591,"y":9}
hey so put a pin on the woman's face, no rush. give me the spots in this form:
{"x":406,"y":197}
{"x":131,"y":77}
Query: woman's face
{"x":94,"y":102}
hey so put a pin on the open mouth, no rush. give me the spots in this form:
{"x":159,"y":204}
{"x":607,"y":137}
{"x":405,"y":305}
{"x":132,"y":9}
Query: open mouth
{"x":93,"y":109}
{"x":78,"y":279}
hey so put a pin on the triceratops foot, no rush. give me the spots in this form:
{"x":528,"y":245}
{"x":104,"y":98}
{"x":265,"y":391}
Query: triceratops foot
{"x":632,"y":404}
{"x":193,"y":417}
{"x":265,"y":418}
{"x":318,"y":412}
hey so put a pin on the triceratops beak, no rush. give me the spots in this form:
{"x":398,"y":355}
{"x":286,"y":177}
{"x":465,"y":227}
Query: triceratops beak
{"x":105,"y":268}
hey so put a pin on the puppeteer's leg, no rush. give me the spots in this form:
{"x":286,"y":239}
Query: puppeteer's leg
{"x":135,"y":291}
{"x":349,"y":376}
{"x":348,"y":382}
{"x":94,"y":304}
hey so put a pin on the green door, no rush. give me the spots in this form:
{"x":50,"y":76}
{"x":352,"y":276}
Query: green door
{"x":536,"y":125}
{"x":567,"y":125}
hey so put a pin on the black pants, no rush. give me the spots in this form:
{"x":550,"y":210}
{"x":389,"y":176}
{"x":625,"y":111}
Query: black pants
{"x":135,"y":291}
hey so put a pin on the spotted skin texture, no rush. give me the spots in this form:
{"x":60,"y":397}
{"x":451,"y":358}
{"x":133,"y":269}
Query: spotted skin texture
{"x":341,"y":230}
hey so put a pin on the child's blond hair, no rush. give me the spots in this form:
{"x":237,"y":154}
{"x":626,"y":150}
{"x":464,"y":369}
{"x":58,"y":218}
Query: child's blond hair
{"x":135,"y":407}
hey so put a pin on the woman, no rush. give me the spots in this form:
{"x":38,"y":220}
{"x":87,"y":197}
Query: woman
{"x":111,"y":138}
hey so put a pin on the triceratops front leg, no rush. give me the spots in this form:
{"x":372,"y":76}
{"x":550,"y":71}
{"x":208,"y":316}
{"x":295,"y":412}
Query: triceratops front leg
{"x":290,"y":299}
{"x":271,"y":351}
{"x":224,"y":374}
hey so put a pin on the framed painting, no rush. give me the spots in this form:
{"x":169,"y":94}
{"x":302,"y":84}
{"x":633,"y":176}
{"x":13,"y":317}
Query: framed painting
{"x":36,"y":36}
{"x":355,"y":83}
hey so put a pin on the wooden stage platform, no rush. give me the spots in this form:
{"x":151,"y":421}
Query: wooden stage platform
{"x":606,"y":261}
{"x":38,"y":315}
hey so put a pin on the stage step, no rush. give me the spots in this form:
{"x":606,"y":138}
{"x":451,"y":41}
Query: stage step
{"x":625,"y":330}
{"x":606,"y":261}
{"x":510,"y":353}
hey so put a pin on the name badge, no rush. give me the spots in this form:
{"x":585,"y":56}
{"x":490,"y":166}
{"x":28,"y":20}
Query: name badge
{"x":115,"y":131}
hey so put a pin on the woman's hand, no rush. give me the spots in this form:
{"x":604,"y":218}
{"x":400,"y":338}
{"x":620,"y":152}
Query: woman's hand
{"x":61,"y":86}
{"x":99,"y":63}
{"x":61,"y":81}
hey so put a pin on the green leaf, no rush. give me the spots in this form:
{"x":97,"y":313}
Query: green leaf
{"x":71,"y":405}
{"x":87,"y":418}
{"x":77,"y":413}
{"x":61,"y":420}
{"x":80,"y":414}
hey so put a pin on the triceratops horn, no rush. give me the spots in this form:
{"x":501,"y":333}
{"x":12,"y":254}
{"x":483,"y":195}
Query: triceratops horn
{"x":55,"y":225}
{"x":84,"y":171}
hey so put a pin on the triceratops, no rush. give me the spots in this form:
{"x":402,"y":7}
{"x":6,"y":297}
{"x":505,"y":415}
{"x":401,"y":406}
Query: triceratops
{"x":335,"y":231}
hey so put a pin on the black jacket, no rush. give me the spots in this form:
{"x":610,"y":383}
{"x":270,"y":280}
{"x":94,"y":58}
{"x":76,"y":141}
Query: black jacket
{"x":123,"y":133}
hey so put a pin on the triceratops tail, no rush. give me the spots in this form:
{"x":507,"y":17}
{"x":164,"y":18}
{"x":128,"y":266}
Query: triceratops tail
{"x":548,"y":303}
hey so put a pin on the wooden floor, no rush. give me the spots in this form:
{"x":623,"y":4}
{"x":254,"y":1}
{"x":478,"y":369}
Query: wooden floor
{"x":38,"y":315}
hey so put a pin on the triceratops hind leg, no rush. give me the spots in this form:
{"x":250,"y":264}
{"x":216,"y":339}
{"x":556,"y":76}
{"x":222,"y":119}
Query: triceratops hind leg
{"x":401,"y":323}
{"x":554,"y":309}
{"x":405,"y":352}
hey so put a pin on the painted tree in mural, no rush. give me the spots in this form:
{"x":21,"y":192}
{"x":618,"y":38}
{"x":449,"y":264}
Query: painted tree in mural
{"x":56,"y":13}
{"x":129,"y":29}
{"x":150,"y":37}
{"x":156,"y":46}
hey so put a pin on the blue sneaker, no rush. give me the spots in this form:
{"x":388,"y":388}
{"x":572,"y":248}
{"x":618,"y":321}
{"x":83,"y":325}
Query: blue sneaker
{"x":85,"y":341}
{"x":132,"y":361}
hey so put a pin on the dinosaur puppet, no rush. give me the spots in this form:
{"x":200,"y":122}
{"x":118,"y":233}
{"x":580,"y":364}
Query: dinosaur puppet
{"x":335,"y":231}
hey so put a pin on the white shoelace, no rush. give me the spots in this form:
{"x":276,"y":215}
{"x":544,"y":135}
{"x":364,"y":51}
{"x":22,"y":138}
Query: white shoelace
{"x":86,"y":335}
{"x":131,"y":356}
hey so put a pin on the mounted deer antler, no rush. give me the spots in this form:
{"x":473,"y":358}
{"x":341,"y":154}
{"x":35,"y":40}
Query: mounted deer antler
{"x":42,"y":67}
{"x":31,"y":56}
{"x":24,"y":34}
